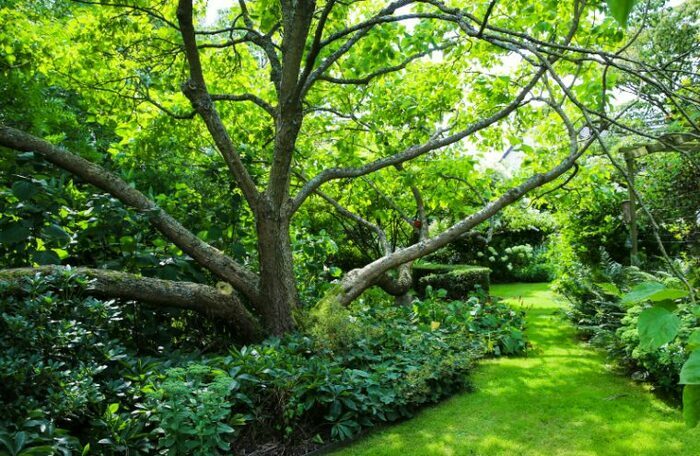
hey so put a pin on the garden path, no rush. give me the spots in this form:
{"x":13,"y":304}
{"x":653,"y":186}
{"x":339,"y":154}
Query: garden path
{"x":563,"y":399}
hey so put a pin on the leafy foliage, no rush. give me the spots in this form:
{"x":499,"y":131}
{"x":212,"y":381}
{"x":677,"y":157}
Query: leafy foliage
{"x":63,"y":359}
{"x":458,"y":280}
{"x":621,"y":9}
{"x":56,"y":346}
{"x":652,"y":326}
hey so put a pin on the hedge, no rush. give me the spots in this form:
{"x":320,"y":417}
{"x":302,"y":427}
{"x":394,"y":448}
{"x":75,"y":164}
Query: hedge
{"x":458,"y":279}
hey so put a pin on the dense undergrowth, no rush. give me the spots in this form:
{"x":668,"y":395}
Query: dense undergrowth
{"x":80,"y":375}
{"x":608,"y":322}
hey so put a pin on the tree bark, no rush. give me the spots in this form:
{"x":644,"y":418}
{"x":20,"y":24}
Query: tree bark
{"x":278,"y":292}
{"x":160,"y":293}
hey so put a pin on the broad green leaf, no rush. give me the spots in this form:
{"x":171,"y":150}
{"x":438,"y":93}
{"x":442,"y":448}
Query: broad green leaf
{"x":691,"y":405}
{"x":694,"y":340}
{"x":657,"y":326}
{"x":652,"y":291}
{"x":46,"y":257}
{"x":56,"y":233}
{"x":24,"y":190}
{"x":621,"y":9}
{"x":609,"y":288}
{"x":16,"y":232}
{"x":690,"y":373}
{"x":20,"y":439}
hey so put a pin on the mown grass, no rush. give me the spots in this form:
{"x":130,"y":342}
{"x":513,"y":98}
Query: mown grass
{"x":561,"y":400}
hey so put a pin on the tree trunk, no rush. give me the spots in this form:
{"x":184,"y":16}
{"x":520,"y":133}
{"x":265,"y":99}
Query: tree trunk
{"x":278,"y":292}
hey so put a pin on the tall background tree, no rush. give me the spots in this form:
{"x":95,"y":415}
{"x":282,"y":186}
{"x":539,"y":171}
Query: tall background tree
{"x":216,"y":133}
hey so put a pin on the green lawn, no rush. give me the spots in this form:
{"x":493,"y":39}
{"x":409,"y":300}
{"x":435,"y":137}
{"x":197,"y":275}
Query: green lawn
{"x":561,"y":400}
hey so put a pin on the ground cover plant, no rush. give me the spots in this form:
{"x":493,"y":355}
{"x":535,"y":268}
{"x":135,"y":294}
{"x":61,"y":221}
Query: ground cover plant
{"x":82,"y":376}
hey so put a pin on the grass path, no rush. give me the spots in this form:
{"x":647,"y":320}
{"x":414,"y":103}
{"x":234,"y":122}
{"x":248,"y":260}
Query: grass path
{"x":561,"y":400}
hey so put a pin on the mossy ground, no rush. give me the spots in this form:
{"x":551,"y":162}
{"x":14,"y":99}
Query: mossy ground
{"x":563,"y":399}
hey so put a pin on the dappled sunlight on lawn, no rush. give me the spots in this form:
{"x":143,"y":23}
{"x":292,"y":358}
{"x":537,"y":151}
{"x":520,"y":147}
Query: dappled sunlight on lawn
{"x":561,"y":400}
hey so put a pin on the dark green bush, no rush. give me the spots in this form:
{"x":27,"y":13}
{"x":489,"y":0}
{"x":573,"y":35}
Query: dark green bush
{"x":62,"y":360}
{"x":458,"y":280}
{"x":55,"y":345}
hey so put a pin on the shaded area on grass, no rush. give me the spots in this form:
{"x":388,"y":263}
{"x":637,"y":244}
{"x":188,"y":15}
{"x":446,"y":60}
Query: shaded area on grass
{"x":561,"y":400}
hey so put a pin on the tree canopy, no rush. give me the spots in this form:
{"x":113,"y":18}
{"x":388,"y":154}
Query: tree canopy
{"x":219,"y":132}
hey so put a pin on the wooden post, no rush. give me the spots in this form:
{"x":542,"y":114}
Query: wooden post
{"x":634,"y":251}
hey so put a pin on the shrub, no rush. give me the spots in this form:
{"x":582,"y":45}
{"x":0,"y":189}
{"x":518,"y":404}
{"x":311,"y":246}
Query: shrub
{"x":498,"y":326}
{"x":659,"y":366}
{"x":192,"y":410}
{"x":291,"y":391}
{"x":331,"y":324}
{"x":602,"y":318}
{"x":458,"y":280}
{"x":55,"y":344}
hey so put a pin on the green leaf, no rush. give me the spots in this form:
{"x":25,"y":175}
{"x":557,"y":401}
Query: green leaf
{"x":43,"y":450}
{"x":20,"y":439}
{"x":46,"y":257}
{"x":691,"y":405}
{"x":16,"y":232}
{"x":56,"y":233}
{"x":621,"y":9}
{"x":24,"y":190}
{"x":652,"y":291}
{"x":690,"y":373}
{"x":694,"y":340}
{"x":657,"y":326}
{"x":609,"y":288}
{"x":224,"y":428}
{"x":128,"y":243}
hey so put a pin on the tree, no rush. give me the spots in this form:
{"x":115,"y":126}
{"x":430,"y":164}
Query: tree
{"x":296,"y":97}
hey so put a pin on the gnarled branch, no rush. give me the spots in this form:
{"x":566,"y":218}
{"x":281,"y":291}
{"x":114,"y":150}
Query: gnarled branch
{"x":196,"y":91}
{"x":206,"y":255}
{"x":204,"y":299}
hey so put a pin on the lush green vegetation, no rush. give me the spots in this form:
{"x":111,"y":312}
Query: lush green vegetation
{"x":457,"y":279}
{"x":66,"y":363}
{"x":561,"y":399}
{"x":264,"y":226}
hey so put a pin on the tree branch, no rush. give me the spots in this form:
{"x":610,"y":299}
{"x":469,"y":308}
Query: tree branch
{"x":271,"y":110}
{"x":417,"y":150}
{"x":196,"y":91}
{"x":355,"y":282}
{"x":386,"y":247}
{"x":206,"y":255}
{"x":204,"y":299}
{"x":383,"y":71}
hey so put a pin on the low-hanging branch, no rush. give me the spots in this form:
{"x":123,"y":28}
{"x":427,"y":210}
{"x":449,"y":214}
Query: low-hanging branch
{"x":206,"y":255}
{"x":204,"y":299}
